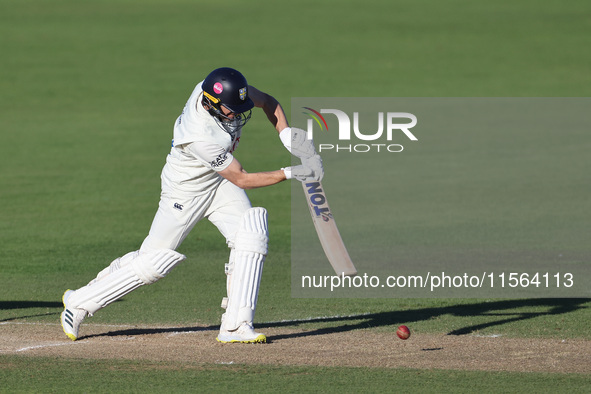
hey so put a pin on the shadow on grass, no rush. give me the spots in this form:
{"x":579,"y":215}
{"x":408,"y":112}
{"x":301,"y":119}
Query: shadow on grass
{"x":6,"y":305}
{"x":505,"y":311}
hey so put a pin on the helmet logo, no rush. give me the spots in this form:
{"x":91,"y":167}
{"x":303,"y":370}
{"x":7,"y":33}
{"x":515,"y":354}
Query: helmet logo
{"x":242,"y":93}
{"x":218,"y":88}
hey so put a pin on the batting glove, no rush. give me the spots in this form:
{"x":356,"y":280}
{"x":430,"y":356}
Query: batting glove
{"x":315,"y":164}
{"x":301,"y":173}
{"x":297,"y":143}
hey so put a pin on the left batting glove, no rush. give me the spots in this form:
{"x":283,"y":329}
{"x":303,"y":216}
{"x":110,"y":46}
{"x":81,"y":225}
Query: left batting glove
{"x":297,"y":143}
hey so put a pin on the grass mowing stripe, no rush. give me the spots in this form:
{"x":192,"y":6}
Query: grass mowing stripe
{"x":23,"y":374}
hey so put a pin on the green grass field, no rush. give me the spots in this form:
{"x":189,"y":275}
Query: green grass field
{"x":90,"y":91}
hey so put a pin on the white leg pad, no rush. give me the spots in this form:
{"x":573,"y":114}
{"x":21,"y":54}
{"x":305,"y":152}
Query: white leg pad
{"x":123,"y":276}
{"x":245,"y":276}
{"x":115,"y":265}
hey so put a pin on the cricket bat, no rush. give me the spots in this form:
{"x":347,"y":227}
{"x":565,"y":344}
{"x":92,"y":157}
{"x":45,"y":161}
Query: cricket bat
{"x":327,"y":230}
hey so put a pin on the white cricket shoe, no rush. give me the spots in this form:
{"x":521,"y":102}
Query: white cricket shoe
{"x":244,"y":334}
{"x":71,"y":317}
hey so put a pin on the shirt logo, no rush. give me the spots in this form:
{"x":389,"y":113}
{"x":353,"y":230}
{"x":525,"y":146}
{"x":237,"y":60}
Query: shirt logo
{"x":219,"y":161}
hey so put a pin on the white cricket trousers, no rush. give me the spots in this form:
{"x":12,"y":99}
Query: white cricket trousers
{"x":179,"y":212}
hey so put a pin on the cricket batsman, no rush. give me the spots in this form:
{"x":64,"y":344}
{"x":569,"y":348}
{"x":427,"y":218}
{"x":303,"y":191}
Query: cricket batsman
{"x":202,"y":179}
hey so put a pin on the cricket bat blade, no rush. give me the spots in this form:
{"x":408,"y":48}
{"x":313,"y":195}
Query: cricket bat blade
{"x":327,"y":230}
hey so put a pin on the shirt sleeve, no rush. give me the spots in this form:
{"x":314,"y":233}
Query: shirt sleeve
{"x":211,"y":155}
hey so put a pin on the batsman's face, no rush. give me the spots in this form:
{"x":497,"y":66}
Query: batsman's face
{"x":233,"y":119}
{"x":228,"y":120}
{"x":228,"y":113}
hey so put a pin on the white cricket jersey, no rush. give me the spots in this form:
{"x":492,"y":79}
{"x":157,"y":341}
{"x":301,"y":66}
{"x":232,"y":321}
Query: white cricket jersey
{"x":200,"y":148}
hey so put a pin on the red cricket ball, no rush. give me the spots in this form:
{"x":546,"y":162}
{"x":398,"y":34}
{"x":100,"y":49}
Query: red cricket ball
{"x":403,"y":332}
